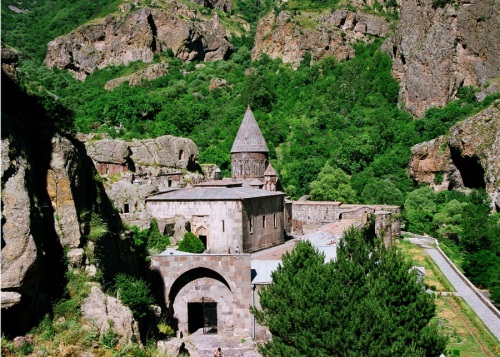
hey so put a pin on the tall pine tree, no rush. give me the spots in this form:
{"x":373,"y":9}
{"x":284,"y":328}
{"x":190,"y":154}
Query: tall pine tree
{"x":368,"y":302}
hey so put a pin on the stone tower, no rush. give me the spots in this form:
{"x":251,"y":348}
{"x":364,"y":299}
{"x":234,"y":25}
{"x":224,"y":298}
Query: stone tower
{"x":249,"y":154}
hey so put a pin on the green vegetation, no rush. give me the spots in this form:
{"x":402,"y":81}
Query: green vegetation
{"x":365,"y":303}
{"x":134,"y":293}
{"x":462,"y":222}
{"x":150,"y":238}
{"x":332,"y":185}
{"x":191,"y":243}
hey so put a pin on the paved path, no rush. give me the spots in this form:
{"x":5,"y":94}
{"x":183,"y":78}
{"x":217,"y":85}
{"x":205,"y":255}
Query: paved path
{"x":490,"y":319}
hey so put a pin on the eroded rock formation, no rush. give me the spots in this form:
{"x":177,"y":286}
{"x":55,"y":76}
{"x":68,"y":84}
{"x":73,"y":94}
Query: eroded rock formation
{"x":438,"y":50}
{"x":48,"y":194}
{"x":136,"y":35}
{"x":468,"y":157}
{"x":148,"y":74}
{"x":108,"y":313}
{"x":136,"y":169}
{"x":280,"y":35}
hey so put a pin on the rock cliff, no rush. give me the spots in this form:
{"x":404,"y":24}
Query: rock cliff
{"x":282,"y":35}
{"x":438,"y":50}
{"x":48,"y":192}
{"x":468,"y":157}
{"x":136,"y":34}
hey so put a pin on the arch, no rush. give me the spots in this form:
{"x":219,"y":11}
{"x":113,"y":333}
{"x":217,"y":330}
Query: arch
{"x":192,"y":275}
{"x":201,"y":231}
{"x":181,"y":154}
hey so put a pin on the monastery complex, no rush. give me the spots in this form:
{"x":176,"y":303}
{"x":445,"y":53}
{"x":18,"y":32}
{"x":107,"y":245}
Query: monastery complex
{"x":245,"y":223}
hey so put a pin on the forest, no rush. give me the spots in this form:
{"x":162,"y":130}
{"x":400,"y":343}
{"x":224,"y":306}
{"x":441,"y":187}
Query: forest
{"x":334,"y":129}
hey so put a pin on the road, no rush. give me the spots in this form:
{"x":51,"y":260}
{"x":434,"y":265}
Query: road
{"x":487,"y":313}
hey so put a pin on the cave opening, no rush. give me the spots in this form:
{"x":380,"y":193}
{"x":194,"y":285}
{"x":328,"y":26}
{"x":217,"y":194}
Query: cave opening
{"x":470,"y":169}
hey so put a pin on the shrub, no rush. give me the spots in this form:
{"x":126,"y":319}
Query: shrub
{"x":135,"y":293}
{"x":191,"y":243}
{"x":156,"y":240}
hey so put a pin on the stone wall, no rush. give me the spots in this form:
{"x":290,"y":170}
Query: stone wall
{"x":266,"y":230}
{"x":221,"y":219}
{"x":312,"y":212}
{"x":223,"y":279}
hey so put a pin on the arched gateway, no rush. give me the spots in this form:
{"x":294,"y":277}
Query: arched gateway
{"x":209,"y":291}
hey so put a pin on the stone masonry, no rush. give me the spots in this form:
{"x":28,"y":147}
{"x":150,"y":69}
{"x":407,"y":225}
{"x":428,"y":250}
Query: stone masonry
{"x":221,"y":278}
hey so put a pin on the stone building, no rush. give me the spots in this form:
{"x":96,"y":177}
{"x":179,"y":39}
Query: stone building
{"x":227,"y":218}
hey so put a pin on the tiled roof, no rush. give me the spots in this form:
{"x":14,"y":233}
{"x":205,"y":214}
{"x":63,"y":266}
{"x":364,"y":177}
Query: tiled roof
{"x":213,"y":194}
{"x":249,"y":137}
{"x":270,"y":171}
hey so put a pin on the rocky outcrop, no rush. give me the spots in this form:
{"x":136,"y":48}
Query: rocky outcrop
{"x":48,"y":193}
{"x":9,"y":62}
{"x":148,"y":74}
{"x":136,"y":169}
{"x":136,"y":35}
{"x":108,"y":313}
{"x":281,"y":35}
{"x":223,"y":5}
{"x":438,"y":50}
{"x":468,"y":157}
{"x":148,"y":156}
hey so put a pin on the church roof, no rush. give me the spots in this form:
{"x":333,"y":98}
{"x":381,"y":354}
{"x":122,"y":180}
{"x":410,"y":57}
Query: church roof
{"x":213,"y":194}
{"x":270,"y":171}
{"x":249,"y":137}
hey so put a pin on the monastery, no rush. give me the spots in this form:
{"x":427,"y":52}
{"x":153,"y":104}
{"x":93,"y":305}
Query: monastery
{"x":243,"y":221}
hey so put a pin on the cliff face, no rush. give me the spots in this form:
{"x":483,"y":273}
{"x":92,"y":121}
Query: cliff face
{"x":281,"y":35}
{"x":438,"y":50}
{"x":48,"y":193}
{"x":136,"y":35}
{"x":468,"y":157}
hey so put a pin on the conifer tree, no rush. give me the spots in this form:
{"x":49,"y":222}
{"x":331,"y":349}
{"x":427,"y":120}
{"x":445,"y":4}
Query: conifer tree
{"x":368,"y":302}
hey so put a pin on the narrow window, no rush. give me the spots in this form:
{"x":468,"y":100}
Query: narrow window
{"x":126,"y":208}
{"x":264,"y":221}
{"x":251,"y":224}
{"x":223,"y":226}
{"x":275,"y":223}
{"x":169,"y":182}
{"x":181,"y":154}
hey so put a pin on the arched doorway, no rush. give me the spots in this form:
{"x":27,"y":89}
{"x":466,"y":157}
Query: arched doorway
{"x":201,"y":300}
{"x":202,"y":233}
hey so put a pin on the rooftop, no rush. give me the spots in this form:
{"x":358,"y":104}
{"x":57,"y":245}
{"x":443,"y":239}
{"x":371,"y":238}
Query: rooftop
{"x":249,"y":137}
{"x":213,"y":194}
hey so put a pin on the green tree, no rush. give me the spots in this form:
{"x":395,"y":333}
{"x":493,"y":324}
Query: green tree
{"x":382,"y":192}
{"x":420,"y":209}
{"x":332,"y":184}
{"x":368,"y":302}
{"x":156,"y":241}
{"x":135,"y":293}
{"x":191,"y":243}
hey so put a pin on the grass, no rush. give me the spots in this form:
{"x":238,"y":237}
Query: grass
{"x":468,"y":336}
{"x":433,"y":275}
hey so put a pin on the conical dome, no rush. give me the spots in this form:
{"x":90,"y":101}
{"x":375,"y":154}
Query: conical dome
{"x":249,"y":137}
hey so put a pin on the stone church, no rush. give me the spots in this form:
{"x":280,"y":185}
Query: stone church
{"x":244,"y":213}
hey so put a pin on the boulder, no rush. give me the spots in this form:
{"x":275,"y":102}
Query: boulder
{"x":108,"y":313}
{"x":113,"y":151}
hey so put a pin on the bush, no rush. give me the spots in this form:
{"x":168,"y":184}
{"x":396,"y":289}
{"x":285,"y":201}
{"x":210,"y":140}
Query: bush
{"x":191,"y":244}
{"x":134,"y":293}
{"x":156,"y":240}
